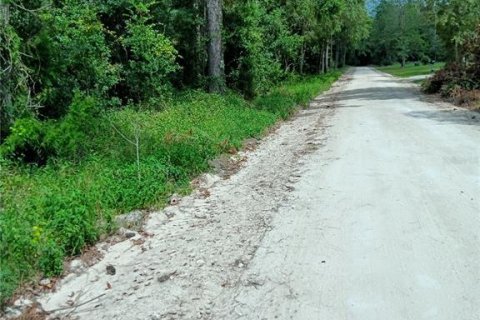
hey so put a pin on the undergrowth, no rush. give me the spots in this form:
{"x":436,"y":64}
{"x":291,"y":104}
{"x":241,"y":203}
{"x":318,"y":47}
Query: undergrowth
{"x":53,"y":210}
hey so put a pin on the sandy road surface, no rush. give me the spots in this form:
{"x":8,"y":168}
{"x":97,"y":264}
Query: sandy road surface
{"x":365,"y":206}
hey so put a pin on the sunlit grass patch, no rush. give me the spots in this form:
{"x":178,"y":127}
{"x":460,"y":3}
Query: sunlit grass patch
{"x":411,"y":69}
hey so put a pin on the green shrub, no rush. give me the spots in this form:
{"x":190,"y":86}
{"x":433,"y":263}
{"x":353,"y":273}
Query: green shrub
{"x":151,"y":60}
{"x":70,"y":137}
{"x":76,"y":58}
{"x":51,"y":259}
{"x":254,"y":69}
{"x":35,"y":141}
{"x":26,"y":142}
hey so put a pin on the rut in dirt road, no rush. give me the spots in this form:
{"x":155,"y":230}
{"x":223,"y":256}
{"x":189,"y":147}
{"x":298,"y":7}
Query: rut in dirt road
{"x":364,"y":206}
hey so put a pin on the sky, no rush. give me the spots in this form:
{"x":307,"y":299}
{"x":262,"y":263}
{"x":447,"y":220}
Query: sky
{"x":371,"y":5}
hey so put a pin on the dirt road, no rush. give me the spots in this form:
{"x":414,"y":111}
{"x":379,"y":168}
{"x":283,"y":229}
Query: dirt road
{"x":365,"y":206}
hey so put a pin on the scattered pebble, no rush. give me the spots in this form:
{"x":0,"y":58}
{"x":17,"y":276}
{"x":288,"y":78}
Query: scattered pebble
{"x":132,"y":220}
{"x":130,"y":234}
{"x":169,"y":213}
{"x":166,"y":275}
{"x":200,"y":215}
{"x":45,"y":282}
{"x":77,"y":266}
{"x":12,"y":313}
{"x":111,"y":270}
{"x":155,"y":316}
{"x":174,"y":199}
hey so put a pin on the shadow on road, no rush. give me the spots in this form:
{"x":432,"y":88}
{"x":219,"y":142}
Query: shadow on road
{"x":376,"y":93}
{"x":464,"y":117}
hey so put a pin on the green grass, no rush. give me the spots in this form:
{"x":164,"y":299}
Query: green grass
{"x":410,"y":69}
{"x":51,"y":212}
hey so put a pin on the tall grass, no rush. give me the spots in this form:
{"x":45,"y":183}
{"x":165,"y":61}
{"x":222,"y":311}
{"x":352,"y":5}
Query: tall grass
{"x":54,"y":211}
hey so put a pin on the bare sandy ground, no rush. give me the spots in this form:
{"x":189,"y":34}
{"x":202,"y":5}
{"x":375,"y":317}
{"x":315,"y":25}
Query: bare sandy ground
{"x":364,"y":206}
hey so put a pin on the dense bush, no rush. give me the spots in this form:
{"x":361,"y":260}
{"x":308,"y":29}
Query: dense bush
{"x":77,"y":57}
{"x":253,"y":69}
{"x":460,"y":80}
{"x":151,"y":60}
{"x":35,"y":141}
{"x":26,"y":142}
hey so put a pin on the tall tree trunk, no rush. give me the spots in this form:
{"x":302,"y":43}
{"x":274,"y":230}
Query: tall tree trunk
{"x":337,"y":55}
{"x":327,"y":55}
{"x":323,"y":59}
{"x":330,"y":54}
{"x":215,"y":52}
{"x":199,"y":44}
{"x":320,"y":62}
{"x":5,"y":92}
{"x":302,"y":58}
{"x":344,"y":57}
{"x":4,"y":13}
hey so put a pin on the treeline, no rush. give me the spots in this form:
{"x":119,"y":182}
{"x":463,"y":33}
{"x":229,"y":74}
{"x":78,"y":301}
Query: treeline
{"x":421,"y":30}
{"x":138,"y":52}
{"x":425,"y":31}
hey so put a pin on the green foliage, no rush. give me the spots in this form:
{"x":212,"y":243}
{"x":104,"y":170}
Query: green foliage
{"x":92,"y":123}
{"x":266,"y":40}
{"x":14,"y":93}
{"x":54,"y":211}
{"x":26,"y":142}
{"x":458,"y":24}
{"x":151,"y":60}
{"x":403,"y":31}
{"x":255,"y":68}
{"x":70,"y":137}
{"x":280,"y":100}
{"x":34,"y":141}
{"x":74,"y":56}
{"x":124,"y":52}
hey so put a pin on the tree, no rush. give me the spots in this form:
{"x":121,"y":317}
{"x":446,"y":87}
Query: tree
{"x":458,"y":21}
{"x":215,"y":52}
{"x":404,"y":30}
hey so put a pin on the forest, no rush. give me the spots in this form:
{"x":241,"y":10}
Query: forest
{"x":111,"y":106}
{"x":424,"y":32}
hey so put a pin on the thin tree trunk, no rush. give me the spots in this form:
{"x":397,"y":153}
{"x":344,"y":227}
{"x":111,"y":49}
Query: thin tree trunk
{"x":344,"y":57}
{"x":320,"y":62}
{"x":215,"y":52}
{"x":337,"y":55}
{"x":327,"y":54}
{"x":4,"y":13}
{"x":302,"y":58}
{"x":323,"y":59}
{"x":5,"y":92}
{"x":330,"y":54}
{"x":199,"y":45}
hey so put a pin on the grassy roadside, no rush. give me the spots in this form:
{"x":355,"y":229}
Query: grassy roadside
{"x":51,"y":212}
{"x":411,"y":69}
